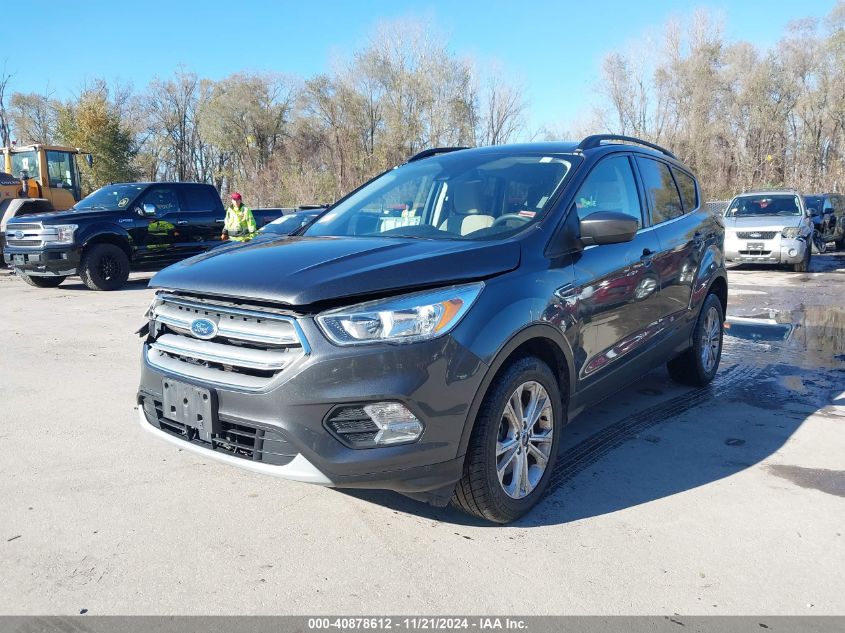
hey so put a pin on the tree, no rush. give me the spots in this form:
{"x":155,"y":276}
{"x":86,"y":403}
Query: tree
{"x":94,"y":122}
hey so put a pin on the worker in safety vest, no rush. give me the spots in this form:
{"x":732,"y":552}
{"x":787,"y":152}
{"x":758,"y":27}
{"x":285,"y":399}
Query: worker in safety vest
{"x":240,"y":223}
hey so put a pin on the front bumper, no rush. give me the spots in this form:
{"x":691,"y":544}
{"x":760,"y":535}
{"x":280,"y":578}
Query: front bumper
{"x":778,"y":250}
{"x":44,"y":262}
{"x":436,"y":380}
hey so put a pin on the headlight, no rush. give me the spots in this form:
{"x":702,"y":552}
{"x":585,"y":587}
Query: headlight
{"x":791,"y":232}
{"x":64,"y":234}
{"x":414,"y":317}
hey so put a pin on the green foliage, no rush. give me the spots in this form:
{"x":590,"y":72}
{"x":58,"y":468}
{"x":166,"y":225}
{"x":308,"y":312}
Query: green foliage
{"x":93,"y":123}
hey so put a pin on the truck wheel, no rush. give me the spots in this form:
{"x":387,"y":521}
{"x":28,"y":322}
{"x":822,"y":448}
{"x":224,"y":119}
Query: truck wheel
{"x":104,"y":267}
{"x":42,"y":282}
{"x":698,"y":365}
{"x":513,"y":447}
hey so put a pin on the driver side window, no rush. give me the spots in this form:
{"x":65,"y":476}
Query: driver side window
{"x":164,"y":199}
{"x":610,"y":187}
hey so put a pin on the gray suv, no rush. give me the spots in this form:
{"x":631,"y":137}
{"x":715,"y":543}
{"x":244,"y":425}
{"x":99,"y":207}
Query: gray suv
{"x":434,"y":331}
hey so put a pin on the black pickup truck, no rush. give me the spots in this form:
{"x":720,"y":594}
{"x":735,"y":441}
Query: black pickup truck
{"x":118,"y":228}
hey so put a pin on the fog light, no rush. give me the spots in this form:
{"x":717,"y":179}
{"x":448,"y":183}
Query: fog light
{"x":396,"y":424}
{"x":372,"y":425}
{"x":792,"y":252}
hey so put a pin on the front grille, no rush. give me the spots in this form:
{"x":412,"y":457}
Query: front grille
{"x":352,"y":426}
{"x":240,"y":439}
{"x":756,"y":235}
{"x":249,"y":348}
{"x":755,"y":252}
{"x":33,"y":234}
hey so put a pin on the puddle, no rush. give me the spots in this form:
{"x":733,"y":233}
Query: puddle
{"x":815,"y":334}
{"x":830,"y":481}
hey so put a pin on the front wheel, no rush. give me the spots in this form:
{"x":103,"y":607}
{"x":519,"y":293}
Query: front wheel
{"x":697,"y":366}
{"x":42,"y":282}
{"x":104,"y":267}
{"x":513,"y":447}
{"x":804,"y":265}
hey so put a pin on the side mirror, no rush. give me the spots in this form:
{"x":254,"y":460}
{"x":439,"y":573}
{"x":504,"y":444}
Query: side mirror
{"x":814,"y":212}
{"x":149,"y":209}
{"x":608,"y":227}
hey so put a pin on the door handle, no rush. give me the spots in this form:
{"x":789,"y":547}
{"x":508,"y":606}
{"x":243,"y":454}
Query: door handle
{"x":647,"y":254}
{"x":219,"y":221}
{"x":182,"y":222}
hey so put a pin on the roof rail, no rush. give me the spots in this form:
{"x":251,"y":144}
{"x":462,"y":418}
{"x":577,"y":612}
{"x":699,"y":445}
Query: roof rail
{"x":595,"y":140}
{"x":433,"y":151}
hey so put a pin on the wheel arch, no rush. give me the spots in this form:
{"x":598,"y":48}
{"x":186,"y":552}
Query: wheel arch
{"x":116,"y":239}
{"x":540,"y":340}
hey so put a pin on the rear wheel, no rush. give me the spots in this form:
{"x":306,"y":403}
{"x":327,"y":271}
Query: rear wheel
{"x":514,"y":442}
{"x":698,"y":365}
{"x":104,"y":267}
{"x":42,"y":282}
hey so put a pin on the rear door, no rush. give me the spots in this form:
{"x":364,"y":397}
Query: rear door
{"x":616,"y":284}
{"x":202,"y":208}
{"x":673,"y":201}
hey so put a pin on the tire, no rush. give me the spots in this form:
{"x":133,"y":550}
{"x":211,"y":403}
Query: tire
{"x":42,"y":282}
{"x":692,"y":367}
{"x":804,"y":265}
{"x":840,"y":244}
{"x":104,"y":267}
{"x":481,"y":492}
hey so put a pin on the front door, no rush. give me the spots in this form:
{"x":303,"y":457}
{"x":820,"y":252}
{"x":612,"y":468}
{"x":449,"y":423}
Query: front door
{"x":616,"y":284}
{"x":166,"y":235}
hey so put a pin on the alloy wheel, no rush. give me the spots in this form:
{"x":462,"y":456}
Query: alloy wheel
{"x":711,"y":340}
{"x":524,"y":440}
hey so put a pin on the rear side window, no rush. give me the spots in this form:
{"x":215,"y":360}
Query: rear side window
{"x":200,"y":199}
{"x":689,"y":195}
{"x":663,"y":196}
{"x":610,"y":187}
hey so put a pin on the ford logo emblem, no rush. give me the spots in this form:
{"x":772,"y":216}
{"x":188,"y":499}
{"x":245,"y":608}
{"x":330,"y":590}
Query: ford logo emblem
{"x":203,"y":328}
{"x":18,"y":235}
{"x":756,"y":235}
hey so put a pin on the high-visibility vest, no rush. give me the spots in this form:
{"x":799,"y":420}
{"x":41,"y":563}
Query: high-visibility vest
{"x":240,"y":223}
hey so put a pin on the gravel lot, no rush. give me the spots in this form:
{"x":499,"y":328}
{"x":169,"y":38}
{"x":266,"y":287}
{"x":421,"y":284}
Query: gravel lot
{"x":727,"y":500}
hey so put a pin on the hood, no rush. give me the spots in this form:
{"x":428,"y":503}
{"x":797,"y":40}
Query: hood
{"x":69,"y":216}
{"x":300,"y":271}
{"x":762,"y":222}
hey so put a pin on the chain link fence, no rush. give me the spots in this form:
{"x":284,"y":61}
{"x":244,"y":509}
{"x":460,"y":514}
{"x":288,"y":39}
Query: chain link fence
{"x":716,"y":207}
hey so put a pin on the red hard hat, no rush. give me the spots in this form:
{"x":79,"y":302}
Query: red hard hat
{"x":236,"y":196}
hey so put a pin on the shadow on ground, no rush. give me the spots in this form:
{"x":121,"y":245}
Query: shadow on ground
{"x":655,"y":439}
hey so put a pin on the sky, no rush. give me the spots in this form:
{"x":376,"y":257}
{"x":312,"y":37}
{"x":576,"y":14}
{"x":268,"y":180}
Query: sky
{"x":553,"y":49}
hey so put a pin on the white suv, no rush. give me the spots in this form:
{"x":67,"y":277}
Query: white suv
{"x":769,"y":227}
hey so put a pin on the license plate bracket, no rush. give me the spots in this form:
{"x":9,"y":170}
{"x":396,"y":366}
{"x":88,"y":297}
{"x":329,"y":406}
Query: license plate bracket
{"x":18,"y":259}
{"x":190,"y":405}
{"x":756,"y":246}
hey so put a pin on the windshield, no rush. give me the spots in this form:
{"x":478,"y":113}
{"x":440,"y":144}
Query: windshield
{"x":469,"y":196}
{"x":25,"y":162}
{"x":290,"y":223}
{"x":110,"y":197}
{"x":746,"y":206}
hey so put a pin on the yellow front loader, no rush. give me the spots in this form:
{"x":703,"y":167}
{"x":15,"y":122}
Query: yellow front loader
{"x":37,"y":179}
